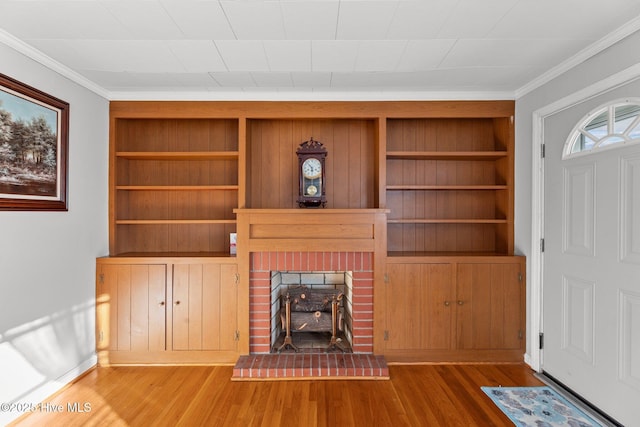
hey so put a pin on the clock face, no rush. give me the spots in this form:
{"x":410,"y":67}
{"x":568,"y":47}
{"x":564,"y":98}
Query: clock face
{"x":311,"y":168}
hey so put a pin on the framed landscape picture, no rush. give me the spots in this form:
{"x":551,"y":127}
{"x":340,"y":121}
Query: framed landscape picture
{"x":34,"y":139}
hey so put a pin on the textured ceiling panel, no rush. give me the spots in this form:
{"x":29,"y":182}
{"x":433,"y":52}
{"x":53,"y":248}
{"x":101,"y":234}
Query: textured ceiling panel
{"x":312,"y":45}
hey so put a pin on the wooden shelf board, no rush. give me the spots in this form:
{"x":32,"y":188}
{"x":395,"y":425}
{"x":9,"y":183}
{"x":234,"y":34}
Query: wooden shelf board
{"x":445,"y":187}
{"x":448,"y":221}
{"x":438,"y":254}
{"x":173,"y":255}
{"x":178,"y":155}
{"x":173,"y":221}
{"x":177,"y":187}
{"x":446,"y":155}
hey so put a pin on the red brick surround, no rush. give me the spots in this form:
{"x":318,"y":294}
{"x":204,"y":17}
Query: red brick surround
{"x":263,"y":263}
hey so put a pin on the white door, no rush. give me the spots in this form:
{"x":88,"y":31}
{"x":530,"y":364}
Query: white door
{"x":591,"y":281}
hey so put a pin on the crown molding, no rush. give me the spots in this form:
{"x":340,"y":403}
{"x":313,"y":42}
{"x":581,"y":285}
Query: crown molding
{"x":577,"y":59}
{"x":330,"y":95}
{"x":33,"y":53}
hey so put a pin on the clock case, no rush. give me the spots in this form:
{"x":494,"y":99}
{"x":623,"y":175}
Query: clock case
{"x":307,"y":150}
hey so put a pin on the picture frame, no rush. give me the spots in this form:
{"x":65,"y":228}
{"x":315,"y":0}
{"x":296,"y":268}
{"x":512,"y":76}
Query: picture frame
{"x":34,"y":142}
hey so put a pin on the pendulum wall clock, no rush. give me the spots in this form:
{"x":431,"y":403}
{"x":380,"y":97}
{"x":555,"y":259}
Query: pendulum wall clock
{"x":311,"y":172}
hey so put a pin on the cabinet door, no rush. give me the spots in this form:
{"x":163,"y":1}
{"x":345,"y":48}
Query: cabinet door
{"x":489,"y":306}
{"x":131,"y":308}
{"x":204,"y":306}
{"x":419,"y":306}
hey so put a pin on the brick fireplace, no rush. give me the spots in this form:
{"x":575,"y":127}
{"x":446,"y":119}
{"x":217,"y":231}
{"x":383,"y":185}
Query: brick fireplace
{"x":328,"y":242}
{"x":358,"y":266}
{"x":351,"y":241}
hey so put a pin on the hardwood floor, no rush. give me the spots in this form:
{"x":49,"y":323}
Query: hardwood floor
{"x":416,"y":395}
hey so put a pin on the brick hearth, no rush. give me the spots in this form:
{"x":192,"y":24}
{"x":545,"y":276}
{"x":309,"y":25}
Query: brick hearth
{"x":292,"y":366}
{"x":360,"y":264}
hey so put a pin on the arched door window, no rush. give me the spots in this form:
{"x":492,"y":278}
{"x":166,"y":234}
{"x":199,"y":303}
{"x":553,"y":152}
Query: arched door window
{"x":609,"y":126}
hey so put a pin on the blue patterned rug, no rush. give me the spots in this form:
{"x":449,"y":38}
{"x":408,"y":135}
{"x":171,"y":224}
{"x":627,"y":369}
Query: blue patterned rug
{"x":538,"y":407}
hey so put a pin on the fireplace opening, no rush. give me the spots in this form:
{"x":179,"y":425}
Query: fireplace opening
{"x":311,"y":311}
{"x":348,"y":271}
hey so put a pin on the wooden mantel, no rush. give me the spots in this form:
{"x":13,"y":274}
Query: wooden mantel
{"x":312,"y":230}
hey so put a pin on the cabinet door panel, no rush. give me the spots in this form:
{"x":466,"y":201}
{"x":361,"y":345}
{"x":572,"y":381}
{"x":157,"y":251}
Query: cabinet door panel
{"x":194,"y":305}
{"x":513,"y":308}
{"x":131,"y":312}
{"x":147,"y":307}
{"x":185,"y":283}
{"x":204,"y":306}
{"x":123,"y":308}
{"x":404,"y":315}
{"x":419,"y":306}
{"x":157,"y":307}
{"x":474,"y":322}
{"x":214,"y":304}
{"x":107,"y":309}
{"x":220,"y":303}
{"x":489,"y":308}
{"x":437,"y":306}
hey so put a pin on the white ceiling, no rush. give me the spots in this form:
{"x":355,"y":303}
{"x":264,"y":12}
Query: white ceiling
{"x":252,"y":47}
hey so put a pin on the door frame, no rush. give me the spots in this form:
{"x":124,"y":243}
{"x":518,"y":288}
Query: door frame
{"x":628,"y":75}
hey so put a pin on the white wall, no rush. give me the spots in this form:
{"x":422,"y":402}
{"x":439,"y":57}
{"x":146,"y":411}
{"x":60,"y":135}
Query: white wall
{"x":615,"y":59}
{"x":47,"y":259}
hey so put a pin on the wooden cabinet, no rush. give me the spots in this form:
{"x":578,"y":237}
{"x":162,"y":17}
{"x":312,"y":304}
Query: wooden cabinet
{"x":204,"y":306}
{"x":164,"y":311}
{"x":455,"y":309}
{"x":449,"y":185}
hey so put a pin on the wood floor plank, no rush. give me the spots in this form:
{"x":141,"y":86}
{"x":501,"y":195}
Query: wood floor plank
{"x":416,"y":395}
{"x":424,"y":393}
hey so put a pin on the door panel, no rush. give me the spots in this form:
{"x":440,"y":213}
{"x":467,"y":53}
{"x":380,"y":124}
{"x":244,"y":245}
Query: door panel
{"x":473,"y":302}
{"x":489,"y":306}
{"x":420,"y":306}
{"x":204,"y":306}
{"x":630,"y":215}
{"x":187,"y":306}
{"x":588,"y":336}
{"x":148,"y":307}
{"x":228,"y":321}
{"x":213,"y":303}
{"x":438,"y":299}
{"x":220,"y":302}
{"x":404,"y":318}
{"x":123,"y":308}
{"x":132,"y":310}
{"x":180,"y":306}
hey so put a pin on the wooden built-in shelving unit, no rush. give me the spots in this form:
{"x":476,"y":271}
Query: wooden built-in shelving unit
{"x":440,"y":174}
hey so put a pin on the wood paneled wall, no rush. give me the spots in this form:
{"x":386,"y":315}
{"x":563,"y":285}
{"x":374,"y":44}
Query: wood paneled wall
{"x":178,"y":135}
{"x":273,"y":164}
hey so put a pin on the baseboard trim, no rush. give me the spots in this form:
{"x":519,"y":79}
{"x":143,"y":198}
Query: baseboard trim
{"x":49,"y":388}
